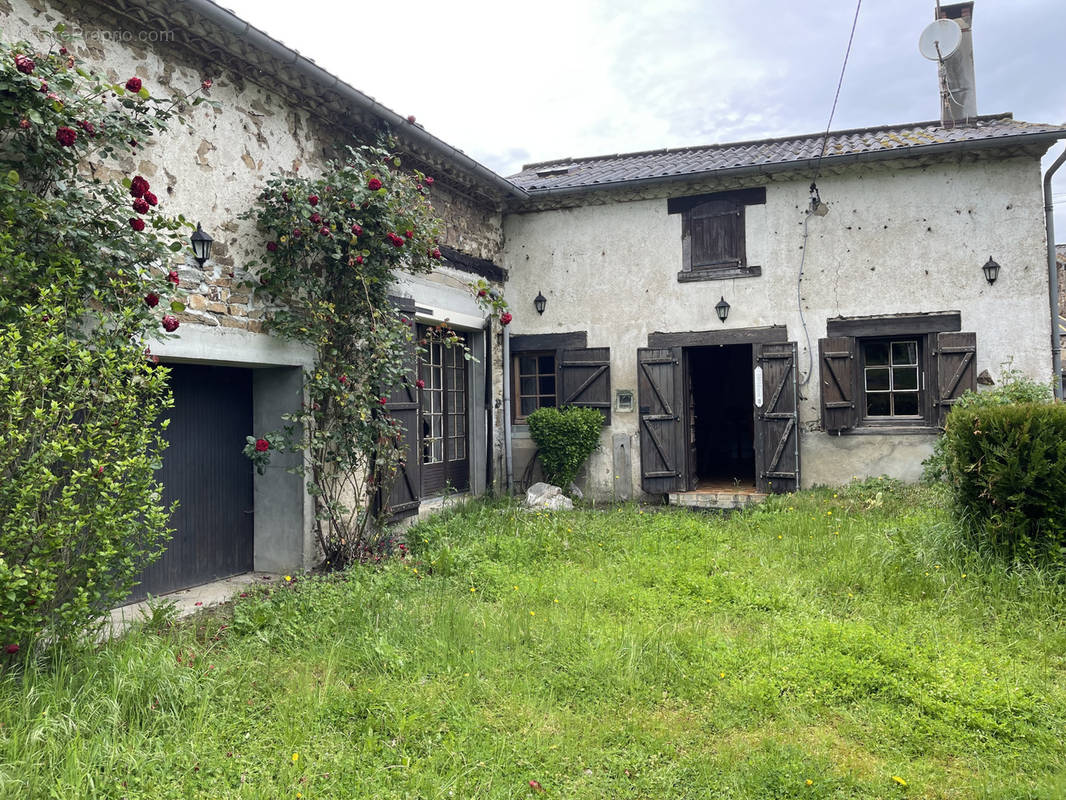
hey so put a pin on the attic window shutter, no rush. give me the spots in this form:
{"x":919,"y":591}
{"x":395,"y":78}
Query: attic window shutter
{"x":956,"y":356}
{"x":585,"y":379}
{"x":837,"y":360}
{"x":716,"y":234}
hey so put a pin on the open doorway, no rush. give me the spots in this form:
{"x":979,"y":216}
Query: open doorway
{"x":721,"y":423}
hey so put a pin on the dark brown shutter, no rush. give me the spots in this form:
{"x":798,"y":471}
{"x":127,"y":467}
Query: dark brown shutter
{"x":585,"y":379}
{"x":716,"y":234}
{"x":837,"y":360}
{"x":956,"y":356}
{"x":660,"y":395}
{"x":402,"y":498}
{"x":777,"y":421}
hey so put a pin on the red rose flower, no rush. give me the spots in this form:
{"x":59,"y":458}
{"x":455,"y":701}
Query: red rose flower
{"x":88,"y":127}
{"x":54,"y":98}
{"x":409,"y":234}
{"x":297,"y":233}
{"x":357,"y":230}
{"x":316,"y":218}
{"x":133,"y":84}
{"x":358,"y":259}
{"x":272,"y":246}
{"x":421,"y":384}
{"x":324,"y":230}
{"x":261,"y":445}
{"x":24,"y":123}
{"x":343,"y":379}
{"x":411,"y":119}
{"x":62,"y":51}
{"x":435,"y":253}
{"x":172,"y":276}
{"x":25,"y":64}
{"x":151,"y":299}
{"x":429,"y":181}
{"x":481,"y":293}
{"x":383,"y":400}
{"x":66,"y":136}
{"x":137,"y":224}
{"x":505,"y":318}
{"x":313,"y":199}
{"x":170,"y":323}
{"x":11,"y":649}
{"x":100,"y":470}
{"x":140,"y":205}
{"x":286,"y":197}
{"x":138,"y":186}
{"x":206,"y":84}
{"x":133,"y":142}
{"x":43,"y":89}
{"x":374,"y":184}
{"x":151,"y":199}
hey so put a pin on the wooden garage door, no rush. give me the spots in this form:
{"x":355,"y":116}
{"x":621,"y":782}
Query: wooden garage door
{"x":206,"y":472}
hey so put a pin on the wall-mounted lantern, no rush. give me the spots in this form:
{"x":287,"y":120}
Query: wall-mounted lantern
{"x":722,"y":309}
{"x":201,"y":245}
{"x":991,"y":270}
{"x":540,"y":302}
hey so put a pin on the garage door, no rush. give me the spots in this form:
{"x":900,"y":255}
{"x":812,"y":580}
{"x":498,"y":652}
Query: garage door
{"x":206,"y":472}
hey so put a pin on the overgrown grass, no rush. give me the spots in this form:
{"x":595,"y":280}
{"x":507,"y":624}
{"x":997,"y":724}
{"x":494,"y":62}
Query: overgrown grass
{"x":823,"y":645}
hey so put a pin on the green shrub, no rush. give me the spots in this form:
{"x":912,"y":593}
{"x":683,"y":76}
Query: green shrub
{"x":1014,"y":387}
{"x":566,"y":437}
{"x":1006,"y":469}
{"x":79,"y":444}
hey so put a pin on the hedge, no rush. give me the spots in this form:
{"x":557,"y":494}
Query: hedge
{"x":1006,"y":467}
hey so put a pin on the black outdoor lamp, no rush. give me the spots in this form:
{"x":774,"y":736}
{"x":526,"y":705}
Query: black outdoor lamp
{"x":991,"y":270}
{"x":539,"y":302}
{"x":722,"y":309}
{"x":201,"y":245}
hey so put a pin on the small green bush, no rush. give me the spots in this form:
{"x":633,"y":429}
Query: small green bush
{"x":80,"y":508}
{"x":1006,"y":469}
{"x":566,"y":438}
{"x":1014,"y":387}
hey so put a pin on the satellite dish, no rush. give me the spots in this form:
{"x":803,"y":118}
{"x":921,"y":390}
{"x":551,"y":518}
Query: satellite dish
{"x":940,"y":39}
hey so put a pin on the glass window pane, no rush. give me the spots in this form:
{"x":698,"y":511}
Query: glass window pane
{"x":527,"y":365}
{"x":876,"y":353}
{"x":529,"y":405}
{"x":905,"y":378}
{"x":877,"y":379}
{"x":546,"y":364}
{"x":904,"y":352}
{"x":877,"y":405}
{"x":528,"y":386}
{"x":906,"y":403}
{"x":548,"y":402}
{"x":547,"y":384}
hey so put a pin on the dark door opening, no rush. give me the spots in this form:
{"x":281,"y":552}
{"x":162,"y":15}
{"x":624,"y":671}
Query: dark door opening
{"x":721,"y":424}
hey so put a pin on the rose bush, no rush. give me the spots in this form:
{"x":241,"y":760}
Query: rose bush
{"x":82,"y":284}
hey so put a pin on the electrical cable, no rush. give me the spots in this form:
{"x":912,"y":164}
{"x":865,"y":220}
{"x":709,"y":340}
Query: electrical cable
{"x":814,"y":194}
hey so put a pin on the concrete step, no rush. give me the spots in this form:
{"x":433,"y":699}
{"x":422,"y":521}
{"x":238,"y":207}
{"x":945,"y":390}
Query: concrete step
{"x":713,"y":499}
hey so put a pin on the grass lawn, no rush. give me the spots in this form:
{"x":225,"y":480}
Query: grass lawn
{"x":823,"y":645}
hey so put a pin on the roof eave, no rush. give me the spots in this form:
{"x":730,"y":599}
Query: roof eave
{"x":1047,"y":138}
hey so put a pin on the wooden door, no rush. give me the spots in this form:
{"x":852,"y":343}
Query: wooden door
{"x":205,"y":470}
{"x":445,"y":448}
{"x":776,"y":417}
{"x":660,"y":396}
{"x":402,"y":498}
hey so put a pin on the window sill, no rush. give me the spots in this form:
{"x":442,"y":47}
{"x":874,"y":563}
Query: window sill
{"x":892,"y":430}
{"x":718,"y":273}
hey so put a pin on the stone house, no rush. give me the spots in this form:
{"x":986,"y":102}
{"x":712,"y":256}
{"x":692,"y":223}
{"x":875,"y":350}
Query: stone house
{"x":736,"y":330}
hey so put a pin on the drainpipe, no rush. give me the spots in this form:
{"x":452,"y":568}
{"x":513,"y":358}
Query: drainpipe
{"x":507,"y":460}
{"x":1053,"y":277}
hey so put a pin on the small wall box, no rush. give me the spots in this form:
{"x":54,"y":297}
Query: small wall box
{"x":623,"y":400}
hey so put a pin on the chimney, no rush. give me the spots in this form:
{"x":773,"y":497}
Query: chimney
{"x":958,"y":87}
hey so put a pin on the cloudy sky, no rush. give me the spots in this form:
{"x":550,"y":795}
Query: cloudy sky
{"x":519,"y":82}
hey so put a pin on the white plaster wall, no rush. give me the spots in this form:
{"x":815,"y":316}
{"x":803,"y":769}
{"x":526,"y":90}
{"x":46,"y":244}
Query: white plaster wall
{"x":897,"y":239}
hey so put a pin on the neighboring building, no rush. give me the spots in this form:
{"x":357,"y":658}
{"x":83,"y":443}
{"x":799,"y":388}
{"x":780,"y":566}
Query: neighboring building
{"x":859,"y":360}
{"x":732,"y":332}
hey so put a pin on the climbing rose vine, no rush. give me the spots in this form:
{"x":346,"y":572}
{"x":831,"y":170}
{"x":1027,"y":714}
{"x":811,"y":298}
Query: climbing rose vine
{"x":331,"y":248}
{"x":85,"y":249}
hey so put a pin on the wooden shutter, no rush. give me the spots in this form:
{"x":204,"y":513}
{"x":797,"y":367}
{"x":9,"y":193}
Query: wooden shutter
{"x":837,"y":359}
{"x":585,"y":379}
{"x":715,"y":234}
{"x":777,"y":421}
{"x":402,"y":498}
{"x":956,"y":357}
{"x":659,"y":396}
